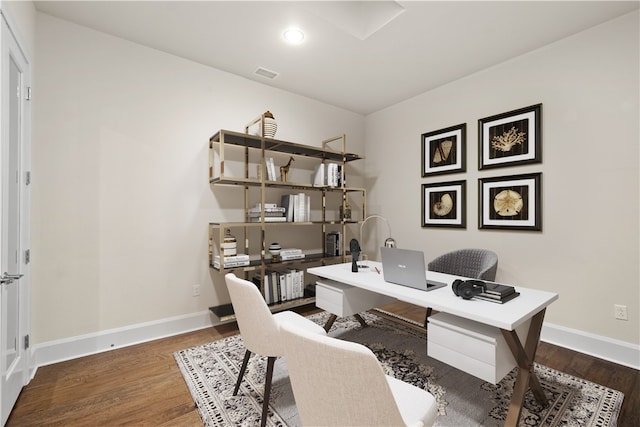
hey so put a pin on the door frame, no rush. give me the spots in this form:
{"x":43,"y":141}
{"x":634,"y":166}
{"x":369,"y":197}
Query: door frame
{"x":27,"y":369}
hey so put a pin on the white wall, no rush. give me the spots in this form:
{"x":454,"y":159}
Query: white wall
{"x":121,"y":200}
{"x":588,"y":249}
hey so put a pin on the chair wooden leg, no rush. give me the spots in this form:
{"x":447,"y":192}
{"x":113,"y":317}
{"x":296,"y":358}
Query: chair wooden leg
{"x":247,"y":355}
{"x":267,"y":391}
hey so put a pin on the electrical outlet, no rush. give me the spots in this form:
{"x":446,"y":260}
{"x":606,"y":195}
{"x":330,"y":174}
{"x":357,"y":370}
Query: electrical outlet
{"x":620,"y":312}
{"x":195,"y":291}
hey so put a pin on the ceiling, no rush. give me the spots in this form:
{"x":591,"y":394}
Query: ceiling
{"x":362,"y":56}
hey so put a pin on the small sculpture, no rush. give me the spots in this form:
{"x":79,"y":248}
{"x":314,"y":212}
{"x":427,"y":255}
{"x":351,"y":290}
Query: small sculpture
{"x":284,"y":170}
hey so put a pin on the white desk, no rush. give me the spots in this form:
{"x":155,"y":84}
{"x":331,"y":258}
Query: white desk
{"x":529,"y":306}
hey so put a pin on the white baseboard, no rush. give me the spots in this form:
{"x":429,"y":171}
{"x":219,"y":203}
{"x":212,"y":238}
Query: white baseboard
{"x":616,"y":351}
{"x":56,"y":351}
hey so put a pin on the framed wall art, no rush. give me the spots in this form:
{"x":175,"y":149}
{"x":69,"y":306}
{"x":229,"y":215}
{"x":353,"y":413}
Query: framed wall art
{"x":510,"y":202}
{"x":444,"y":204}
{"x":511,"y":138}
{"x":443,"y":151}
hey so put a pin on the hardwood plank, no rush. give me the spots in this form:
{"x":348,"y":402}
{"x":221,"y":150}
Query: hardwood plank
{"x":142,"y":385}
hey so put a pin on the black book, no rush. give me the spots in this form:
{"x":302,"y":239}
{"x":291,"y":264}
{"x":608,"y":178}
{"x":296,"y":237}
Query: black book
{"x":498,"y":289}
{"x":498,"y":301}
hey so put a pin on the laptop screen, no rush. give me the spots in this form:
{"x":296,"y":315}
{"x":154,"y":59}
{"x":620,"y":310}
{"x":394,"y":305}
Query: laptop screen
{"x":406,"y":267}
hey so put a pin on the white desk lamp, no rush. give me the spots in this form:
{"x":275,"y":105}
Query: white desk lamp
{"x":389,"y":241}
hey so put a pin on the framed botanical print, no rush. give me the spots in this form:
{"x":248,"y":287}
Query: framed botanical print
{"x":443,"y":151}
{"x":511,"y":202}
{"x":444,"y":204}
{"x":511,"y":138}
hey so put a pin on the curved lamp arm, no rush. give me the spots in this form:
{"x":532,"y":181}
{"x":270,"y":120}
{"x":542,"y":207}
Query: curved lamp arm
{"x":389,"y":242}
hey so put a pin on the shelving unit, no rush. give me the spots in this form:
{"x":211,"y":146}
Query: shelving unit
{"x":238,"y":160}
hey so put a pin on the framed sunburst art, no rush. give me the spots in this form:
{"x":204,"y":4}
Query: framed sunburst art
{"x":511,"y":202}
{"x":509,"y":139}
{"x":444,"y":204}
{"x":443,"y":151}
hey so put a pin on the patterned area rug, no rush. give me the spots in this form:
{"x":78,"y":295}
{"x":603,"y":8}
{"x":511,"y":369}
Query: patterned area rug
{"x":210,"y":372}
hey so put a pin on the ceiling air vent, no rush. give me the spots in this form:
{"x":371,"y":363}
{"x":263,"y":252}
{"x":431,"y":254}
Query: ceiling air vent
{"x":268,"y":74}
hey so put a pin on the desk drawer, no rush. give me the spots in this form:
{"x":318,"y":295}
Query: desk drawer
{"x":345,"y":300}
{"x":473,"y":347}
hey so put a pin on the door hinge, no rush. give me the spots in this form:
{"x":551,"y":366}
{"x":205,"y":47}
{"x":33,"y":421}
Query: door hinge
{"x":26,"y":342}
{"x":27,"y":178}
{"x":28,"y":97}
{"x":27,"y":256}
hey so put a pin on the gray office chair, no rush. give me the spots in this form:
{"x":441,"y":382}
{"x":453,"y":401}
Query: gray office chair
{"x":473,"y":263}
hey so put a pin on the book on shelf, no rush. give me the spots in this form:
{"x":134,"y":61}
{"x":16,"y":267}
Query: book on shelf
{"x":287,"y":202}
{"x":291,"y":257}
{"x":333,"y":244}
{"x":269,"y":219}
{"x":271,"y":169}
{"x":275,"y":209}
{"x":240,"y":260}
{"x":328,"y":175}
{"x":266,"y":214}
{"x":281,"y":286}
{"x":297,"y":207}
{"x":290,"y":251}
{"x":267,"y":206}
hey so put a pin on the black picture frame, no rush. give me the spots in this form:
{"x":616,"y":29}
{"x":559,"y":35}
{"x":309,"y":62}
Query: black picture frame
{"x":510,"y":202}
{"x":444,"y":150}
{"x":444,"y":204}
{"x":512,"y":138}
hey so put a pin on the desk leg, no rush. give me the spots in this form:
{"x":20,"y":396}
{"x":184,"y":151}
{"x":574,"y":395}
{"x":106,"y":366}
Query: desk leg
{"x":330,"y":321}
{"x":361,"y":320}
{"x":526,"y":378}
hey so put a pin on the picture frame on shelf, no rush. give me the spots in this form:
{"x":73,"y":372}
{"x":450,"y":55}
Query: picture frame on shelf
{"x":444,"y":150}
{"x":511,"y":138}
{"x":444,"y":204}
{"x":510,"y":202}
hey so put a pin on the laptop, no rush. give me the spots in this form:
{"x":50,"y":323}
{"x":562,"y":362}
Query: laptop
{"x":406,"y":267}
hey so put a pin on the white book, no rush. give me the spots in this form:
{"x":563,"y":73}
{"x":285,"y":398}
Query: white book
{"x":320,"y":175}
{"x":292,"y":257}
{"x":238,"y":257}
{"x":290,"y":251}
{"x":267,"y":290}
{"x":232,"y":264}
{"x":269,"y":219}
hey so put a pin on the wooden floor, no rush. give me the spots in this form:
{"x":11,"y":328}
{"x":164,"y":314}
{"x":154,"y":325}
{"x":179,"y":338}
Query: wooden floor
{"x":142,"y":385}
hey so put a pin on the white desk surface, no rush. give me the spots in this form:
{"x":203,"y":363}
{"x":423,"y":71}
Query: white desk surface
{"x":504,"y":316}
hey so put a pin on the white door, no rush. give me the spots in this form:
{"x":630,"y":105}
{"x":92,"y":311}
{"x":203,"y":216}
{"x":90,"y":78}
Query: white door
{"x":14,"y":277}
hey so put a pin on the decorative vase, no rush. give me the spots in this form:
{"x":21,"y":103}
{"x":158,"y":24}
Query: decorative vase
{"x":229,"y":244}
{"x":270,"y":127}
{"x":274,"y":250}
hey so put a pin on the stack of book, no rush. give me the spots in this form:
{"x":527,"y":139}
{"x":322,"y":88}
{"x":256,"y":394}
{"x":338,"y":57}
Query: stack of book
{"x":272,"y":213}
{"x":291,"y":254}
{"x":497,"y":293}
{"x":239,"y":260}
{"x":280,"y":286}
{"x":333,"y":244}
{"x":297,"y":207}
{"x":328,"y":175}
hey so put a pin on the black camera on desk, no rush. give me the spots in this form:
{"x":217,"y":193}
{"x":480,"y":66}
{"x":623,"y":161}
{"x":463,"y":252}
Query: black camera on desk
{"x":468,"y":289}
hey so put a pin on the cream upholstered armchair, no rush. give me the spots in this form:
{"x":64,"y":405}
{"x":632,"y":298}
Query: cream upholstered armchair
{"x":341,"y":383}
{"x":261,"y":330}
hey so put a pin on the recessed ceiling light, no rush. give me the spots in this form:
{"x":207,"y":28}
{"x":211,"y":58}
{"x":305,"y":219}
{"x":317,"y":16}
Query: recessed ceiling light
{"x":294,"y":35}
